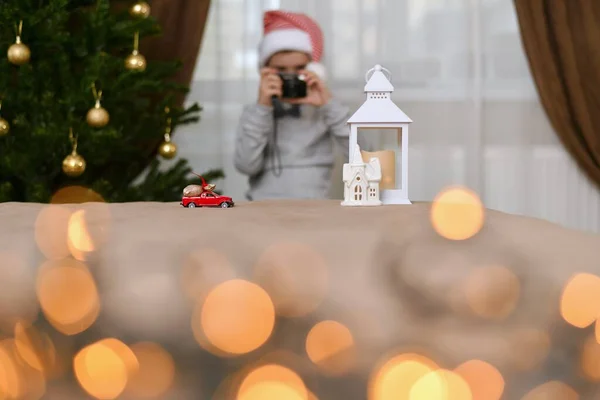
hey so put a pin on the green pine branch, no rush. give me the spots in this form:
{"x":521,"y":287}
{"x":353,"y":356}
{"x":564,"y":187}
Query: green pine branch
{"x":74,"y":44}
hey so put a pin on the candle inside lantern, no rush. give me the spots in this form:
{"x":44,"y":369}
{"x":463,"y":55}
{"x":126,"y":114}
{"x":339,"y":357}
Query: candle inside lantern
{"x":387,"y":159}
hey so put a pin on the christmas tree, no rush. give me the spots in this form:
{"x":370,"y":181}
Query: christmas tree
{"x":80,"y":105}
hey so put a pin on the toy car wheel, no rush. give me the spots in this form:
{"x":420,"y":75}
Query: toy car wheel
{"x":224,"y":204}
{"x":192,"y":205}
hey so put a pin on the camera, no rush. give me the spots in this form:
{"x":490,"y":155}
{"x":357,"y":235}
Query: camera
{"x":294,"y":86}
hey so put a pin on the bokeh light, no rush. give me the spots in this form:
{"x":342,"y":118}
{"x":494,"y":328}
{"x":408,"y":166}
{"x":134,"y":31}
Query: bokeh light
{"x":553,"y":390}
{"x":75,"y":195}
{"x":236,"y":317}
{"x":580,"y":300}
{"x":330,"y":345}
{"x":88,"y":230}
{"x":430,"y":386}
{"x":17,"y":290}
{"x":12,"y":384}
{"x":492,"y":292}
{"x":457,"y":213}
{"x":18,"y":380}
{"x":295,"y":276}
{"x":270,"y":390}
{"x":204,"y":269}
{"x":51,"y":227}
{"x":590,"y":359}
{"x":68,"y":295}
{"x":395,"y":379}
{"x":35,"y":383}
{"x":484,"y":380}
{"x":79,"y":239}
{"x":443,"y":385}
{"x":273,"y":373}
{"x":156,"y":372}
{"x":101,"y":370}
{"x":124,"y":352}
{"x":35,"y":347}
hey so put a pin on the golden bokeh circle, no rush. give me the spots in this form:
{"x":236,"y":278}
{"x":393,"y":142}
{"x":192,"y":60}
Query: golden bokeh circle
{"x":236,"y":317}
{"x":272,"y":373}
{"x":396,"y":377}
{"x":457,"y":213}
{"x":484,"y":380}
{"x":330,"y":345}
{"x":156,"y":372}
{"x":68,"y":295}
{"x":580,"y":300}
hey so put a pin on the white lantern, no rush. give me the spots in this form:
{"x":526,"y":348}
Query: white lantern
{"x":375,"y":181}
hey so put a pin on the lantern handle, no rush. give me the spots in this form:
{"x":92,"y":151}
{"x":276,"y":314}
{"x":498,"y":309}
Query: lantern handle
{"x":378,"y":67}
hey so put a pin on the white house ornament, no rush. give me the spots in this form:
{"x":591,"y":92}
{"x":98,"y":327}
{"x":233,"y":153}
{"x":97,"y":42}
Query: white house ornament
{"x":361,"y":181}
{"x":377,"y":112}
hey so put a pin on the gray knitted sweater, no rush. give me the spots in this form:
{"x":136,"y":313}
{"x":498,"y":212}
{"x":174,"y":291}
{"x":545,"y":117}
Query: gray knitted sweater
{"x":306,"y":147}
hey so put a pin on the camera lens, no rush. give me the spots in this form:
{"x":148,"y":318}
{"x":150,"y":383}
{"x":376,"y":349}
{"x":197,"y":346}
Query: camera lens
{"x":294,"y":86}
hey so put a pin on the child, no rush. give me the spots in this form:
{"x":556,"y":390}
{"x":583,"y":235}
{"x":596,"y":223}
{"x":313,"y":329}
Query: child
{"x":292,"y":156}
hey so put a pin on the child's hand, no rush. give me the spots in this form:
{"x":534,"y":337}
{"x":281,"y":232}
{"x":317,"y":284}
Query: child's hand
{"x":270,"y":85}
{"x":318,"y":93}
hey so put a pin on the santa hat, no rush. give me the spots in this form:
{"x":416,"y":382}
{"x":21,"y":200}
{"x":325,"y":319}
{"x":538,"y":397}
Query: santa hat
{"x":293,"y":32}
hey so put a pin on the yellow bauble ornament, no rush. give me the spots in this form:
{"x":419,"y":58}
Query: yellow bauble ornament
{"x":167,"y":150}
{"x":19,"y":53}
{"x":140,"y":9}
{"x":4,"y":127}
{"x":98,"y":117}
{"x":135,"y":62}
{"x":73,"y":165}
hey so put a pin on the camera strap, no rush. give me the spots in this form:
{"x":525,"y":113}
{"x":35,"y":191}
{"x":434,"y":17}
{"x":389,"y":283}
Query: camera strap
{"x":279,"y":111}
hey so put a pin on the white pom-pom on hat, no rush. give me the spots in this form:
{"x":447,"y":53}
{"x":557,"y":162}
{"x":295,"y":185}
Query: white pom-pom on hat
{"x":318,"y":69}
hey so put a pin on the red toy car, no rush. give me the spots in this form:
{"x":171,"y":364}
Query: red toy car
{"x":207,"y":199}
{"x":203,"y":196}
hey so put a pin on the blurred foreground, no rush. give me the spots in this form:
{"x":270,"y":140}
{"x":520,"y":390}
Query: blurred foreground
{"x":294,"y":301}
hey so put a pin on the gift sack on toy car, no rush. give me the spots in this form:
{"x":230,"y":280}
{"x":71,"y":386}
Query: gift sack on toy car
{"x":192,"y":190}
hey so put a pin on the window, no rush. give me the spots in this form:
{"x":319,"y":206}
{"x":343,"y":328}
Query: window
{"x":372,"y":192}
{"x":357,"y":193}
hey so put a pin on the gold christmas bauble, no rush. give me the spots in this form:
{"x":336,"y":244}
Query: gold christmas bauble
{"x":135,"y":62}
{"x":98,"y":117}
{"x":19,"y":54}
{"x":73,"y":165}
{"x":140,"y":9}
{"x":167,"y":150}
{"x":4,"y":127}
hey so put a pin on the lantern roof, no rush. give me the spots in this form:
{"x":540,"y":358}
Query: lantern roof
{"x":378,"y":82}
{"x":379,"y":107}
